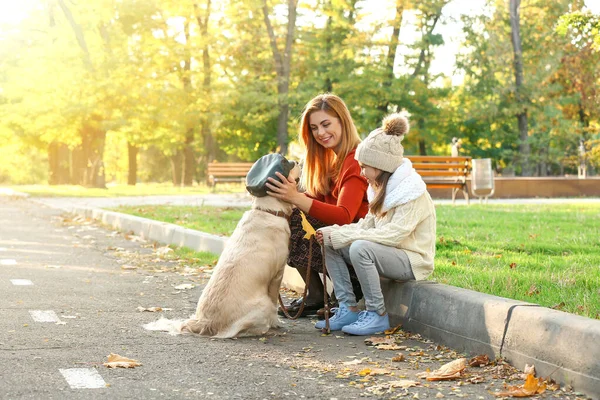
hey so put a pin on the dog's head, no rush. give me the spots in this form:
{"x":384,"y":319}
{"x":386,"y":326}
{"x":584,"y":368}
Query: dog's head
{"x":267,"y":167}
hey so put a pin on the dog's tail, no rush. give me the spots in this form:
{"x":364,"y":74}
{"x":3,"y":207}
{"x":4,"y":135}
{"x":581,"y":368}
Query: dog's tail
{"x":172,"y":326}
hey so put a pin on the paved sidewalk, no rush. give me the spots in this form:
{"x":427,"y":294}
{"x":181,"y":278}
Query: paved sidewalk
{"x":560,"y":345}
{"x":70,"y":293}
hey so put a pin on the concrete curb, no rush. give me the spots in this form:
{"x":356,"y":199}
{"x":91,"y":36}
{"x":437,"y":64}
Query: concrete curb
{"x":562,"y":346}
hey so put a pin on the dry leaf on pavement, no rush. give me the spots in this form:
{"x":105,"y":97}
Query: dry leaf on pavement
{"x":532,"y":386}
{"x":117,"y":361}
{"x":184,"y":286}
{"x":449,"y":371}
{"x":153,"y":309}
{"x":377,"y":340}
{"x":404,"y":384}
{"x":479,"y":361}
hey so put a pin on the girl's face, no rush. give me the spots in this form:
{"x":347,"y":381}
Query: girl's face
{"x":326,"y":129}
{"x":370,"y":173}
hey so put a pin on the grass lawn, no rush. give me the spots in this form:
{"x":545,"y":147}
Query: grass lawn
{"x":544,"y":254}
{"x":116,"y":190}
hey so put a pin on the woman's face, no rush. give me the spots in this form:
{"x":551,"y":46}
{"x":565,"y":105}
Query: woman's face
{"x":370,"y":173}
{"x":326,"y":129}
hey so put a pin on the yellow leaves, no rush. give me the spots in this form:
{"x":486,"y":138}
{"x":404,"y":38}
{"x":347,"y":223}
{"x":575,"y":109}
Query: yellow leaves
{"x":532,"y":386}
{"x":117,"y":361}
{"x":449,"y":371}
{"x":307,"y":227}
{"x":374,"y":371}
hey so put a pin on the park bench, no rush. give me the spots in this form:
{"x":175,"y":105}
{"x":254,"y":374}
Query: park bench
{"x":227,"y":172}
{"x":444,"y":172}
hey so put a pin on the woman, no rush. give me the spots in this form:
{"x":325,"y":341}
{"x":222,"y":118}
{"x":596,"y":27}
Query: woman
{"x":334,"y":190}
{"x":396,"y":239}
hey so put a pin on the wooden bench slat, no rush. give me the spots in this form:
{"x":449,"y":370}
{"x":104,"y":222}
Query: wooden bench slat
{"x":419,"y":166}
{"x":416,"y":159}
{"x":442,"y":173}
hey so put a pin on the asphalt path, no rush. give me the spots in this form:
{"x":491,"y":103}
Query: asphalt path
{"x":70,"y":296}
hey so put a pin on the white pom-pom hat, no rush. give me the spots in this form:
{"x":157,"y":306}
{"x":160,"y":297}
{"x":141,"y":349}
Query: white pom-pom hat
{"x":383,"y":149}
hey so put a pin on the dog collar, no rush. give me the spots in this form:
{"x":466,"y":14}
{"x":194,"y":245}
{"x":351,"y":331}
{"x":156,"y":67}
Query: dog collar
{"x":277,"y":214}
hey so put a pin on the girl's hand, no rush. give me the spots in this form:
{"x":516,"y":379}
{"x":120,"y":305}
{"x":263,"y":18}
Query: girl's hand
{"x":285,"y":189}
{"x":319,"y":237}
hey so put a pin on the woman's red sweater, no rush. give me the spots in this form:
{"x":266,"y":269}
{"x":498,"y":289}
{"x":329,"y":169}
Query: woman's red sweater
{"x":347,"y":202}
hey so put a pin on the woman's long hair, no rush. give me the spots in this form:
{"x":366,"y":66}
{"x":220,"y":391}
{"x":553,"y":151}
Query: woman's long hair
{"x":376,"y":204}
{"x":322,"y":166}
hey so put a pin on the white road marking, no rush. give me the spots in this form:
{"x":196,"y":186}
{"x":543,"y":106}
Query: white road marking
{"x":44,"y":316}
{"x":7,"y":261}
{"x":83,"y":378}
{"x":21,"y":282}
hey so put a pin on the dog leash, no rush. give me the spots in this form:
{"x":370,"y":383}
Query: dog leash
{"x":325,"y":294}
{"x":307,"y":280}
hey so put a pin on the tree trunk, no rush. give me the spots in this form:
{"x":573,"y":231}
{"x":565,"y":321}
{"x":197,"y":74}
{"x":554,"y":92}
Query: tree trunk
{"x":93,"y":139}
{"x":390,"y":60}
{"x":189,"y":160}
{"x":524,"y":149}
{"x":210,"y":151}
{"x":132,"y":152}
{"x":58,"y":164}
{"x":176,"y":163}
{"x":282,"y":69}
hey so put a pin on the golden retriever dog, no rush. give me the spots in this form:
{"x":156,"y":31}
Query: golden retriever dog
{"x":241,"y":296}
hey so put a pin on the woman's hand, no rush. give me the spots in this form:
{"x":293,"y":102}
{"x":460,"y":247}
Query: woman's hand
{"x":285,"y":189}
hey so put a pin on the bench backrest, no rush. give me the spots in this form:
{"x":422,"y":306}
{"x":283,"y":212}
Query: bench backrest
{"x":439,"y":166}
{"x":228,"y":169}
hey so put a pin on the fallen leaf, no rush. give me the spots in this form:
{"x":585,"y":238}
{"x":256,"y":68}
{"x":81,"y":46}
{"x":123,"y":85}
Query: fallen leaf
{"x":398,"y":358}
{"x":185,"y":286}
{"x":393,"y":330}
{"x":404,"y":384}
{"x":390,"y":347}
{"x":376,"y":340}
{"x":153,"y":309}
{"x":479,"y":361}
{"x":117,"y":361}
{"x":529,"y":369}
{"x":353,"y":362}
{"x":449,"y":371}
{"x":128,"y":267}
{"x":533,"y":290}
{"x":532,"y":386}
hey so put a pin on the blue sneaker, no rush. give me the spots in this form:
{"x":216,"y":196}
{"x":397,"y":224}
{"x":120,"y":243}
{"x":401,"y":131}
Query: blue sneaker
{"x":368,"y":323}
{"x":342,"y":317}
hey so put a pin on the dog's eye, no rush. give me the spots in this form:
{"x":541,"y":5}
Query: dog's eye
{"x":297,"y":181}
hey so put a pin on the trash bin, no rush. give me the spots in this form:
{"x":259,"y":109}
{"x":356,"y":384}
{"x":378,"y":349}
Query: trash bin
{"x":482,"y":178}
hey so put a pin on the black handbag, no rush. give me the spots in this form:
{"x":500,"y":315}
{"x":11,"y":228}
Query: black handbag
{"x":265,"y":168}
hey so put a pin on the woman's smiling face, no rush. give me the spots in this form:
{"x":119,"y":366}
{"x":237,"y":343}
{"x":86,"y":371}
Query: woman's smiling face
{"x":326,"y":129}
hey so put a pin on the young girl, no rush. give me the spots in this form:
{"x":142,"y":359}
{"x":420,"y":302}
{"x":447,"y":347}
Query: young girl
{"x":396,"y":239}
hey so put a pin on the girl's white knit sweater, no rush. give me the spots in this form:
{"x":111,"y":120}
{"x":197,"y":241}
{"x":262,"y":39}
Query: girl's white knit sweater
{"x":409,"y":224}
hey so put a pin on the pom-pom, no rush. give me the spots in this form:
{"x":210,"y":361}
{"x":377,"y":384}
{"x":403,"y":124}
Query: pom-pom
{"x":395,"y":124}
